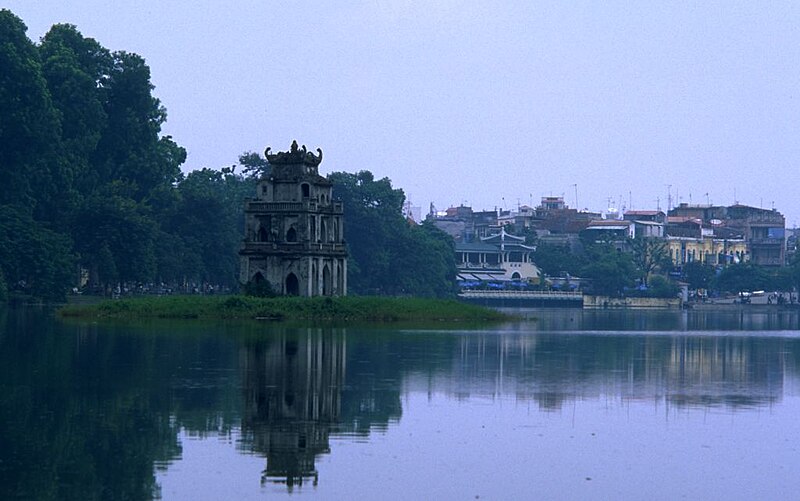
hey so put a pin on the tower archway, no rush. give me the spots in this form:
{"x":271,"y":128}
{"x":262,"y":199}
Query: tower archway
{"x":292,"y":285}
{"x":326,"y":281}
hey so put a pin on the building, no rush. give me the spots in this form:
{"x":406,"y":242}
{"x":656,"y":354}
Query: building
{"x":690,"y":239}
{"x":294,"y":229}
{"x":646,"y":223}
{"x":654,"y":216}
{"x":763,"y":230}
{"x":500,"y":257}
{"x":466,"y":225}
{"x":614,"y":231}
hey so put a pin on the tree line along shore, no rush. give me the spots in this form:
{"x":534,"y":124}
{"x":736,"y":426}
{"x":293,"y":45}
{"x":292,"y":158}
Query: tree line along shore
{"x":94,"y":196}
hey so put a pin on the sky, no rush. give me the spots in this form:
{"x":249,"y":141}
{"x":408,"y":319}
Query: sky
{"x":487,"y":104}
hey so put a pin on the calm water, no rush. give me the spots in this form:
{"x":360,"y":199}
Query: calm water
{"x":572,"y":405}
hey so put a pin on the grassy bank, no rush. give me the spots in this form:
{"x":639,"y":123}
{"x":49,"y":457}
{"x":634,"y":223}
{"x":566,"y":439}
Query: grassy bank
{"x":381,"y":309}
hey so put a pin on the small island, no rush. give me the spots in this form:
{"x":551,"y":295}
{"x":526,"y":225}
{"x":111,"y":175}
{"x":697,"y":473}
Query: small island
{"x":348,"y":308}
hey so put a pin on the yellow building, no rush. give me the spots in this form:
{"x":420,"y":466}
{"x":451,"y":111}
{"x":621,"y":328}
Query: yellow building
{"x":707,"y":250}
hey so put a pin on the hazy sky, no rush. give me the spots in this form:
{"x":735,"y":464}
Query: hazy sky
{"x":483,"y":103}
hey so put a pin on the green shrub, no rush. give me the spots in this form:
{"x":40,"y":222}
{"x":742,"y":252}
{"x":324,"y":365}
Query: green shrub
{"x":3,"y":288}
{"x":259,"y":289}
{"x":661,"y":286}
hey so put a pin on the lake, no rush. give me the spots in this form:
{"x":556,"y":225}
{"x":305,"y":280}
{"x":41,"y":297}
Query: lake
{"x":563,"y":404}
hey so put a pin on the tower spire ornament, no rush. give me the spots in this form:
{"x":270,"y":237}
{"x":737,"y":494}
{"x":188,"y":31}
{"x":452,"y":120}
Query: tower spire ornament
{"x":295,"y":155}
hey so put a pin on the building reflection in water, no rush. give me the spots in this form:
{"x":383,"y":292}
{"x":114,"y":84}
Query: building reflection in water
{"x":550,"y":369}
{"x":733,"y":371}
{"x":292,"y":383}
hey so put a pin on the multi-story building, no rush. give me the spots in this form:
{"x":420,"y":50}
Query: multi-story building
{"x":499,"y":257}
{"x":763,"y":230}
{"x":294,"y":235}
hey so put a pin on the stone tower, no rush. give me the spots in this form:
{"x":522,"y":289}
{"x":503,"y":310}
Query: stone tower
{"x":293,"y":229}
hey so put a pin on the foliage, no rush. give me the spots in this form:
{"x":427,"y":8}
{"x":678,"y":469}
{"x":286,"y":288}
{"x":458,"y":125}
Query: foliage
{"x":742,"y":277}
{"x":610,"y":270}
{"x":349,"y":308}
{"x":661,"y":286}
{"x":254,"y":165}
{"x":261,"y":288}
{"x":698,"y":275}
{"x":122,"y":226}
{"x":3,"y":287}
{"x":781,"y":279}
{"x":388,"y":255}
{"x":208,"y":220}
{"x":33,"y":259}
{"x":649,"y":254}
{"x":82,"y":148}
{"x":29,"y":124}
{"x":555,"y":260}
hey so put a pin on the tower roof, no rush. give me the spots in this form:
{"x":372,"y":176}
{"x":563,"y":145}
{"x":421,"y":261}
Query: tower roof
{"x":295,"y":156}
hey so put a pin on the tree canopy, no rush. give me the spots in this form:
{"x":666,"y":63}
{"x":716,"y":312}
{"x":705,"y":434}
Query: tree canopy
{"x":89,"y":179}
{"x":388,"y":254}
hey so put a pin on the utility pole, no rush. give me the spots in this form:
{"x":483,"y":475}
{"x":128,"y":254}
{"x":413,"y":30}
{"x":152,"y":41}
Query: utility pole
{"x":669,"y":197}
{"x":577,"y":207}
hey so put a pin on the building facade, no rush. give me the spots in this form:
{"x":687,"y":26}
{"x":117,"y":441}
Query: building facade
{"x":294,"y":235}
{"x":497,"y":258}
{"x":763,"y":230}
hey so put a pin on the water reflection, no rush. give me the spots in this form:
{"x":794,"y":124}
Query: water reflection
{"x":292,"y":397}
{"x":552,"y":369}
{"x":80,"y":419}
{"x":741,"y":318}
{"x":92,"y":410}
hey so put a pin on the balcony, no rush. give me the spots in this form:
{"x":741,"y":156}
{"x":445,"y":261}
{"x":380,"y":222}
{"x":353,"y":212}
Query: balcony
{"x":767,"y":241}
{"x":334,"y":207}
{"x":294,"y":248}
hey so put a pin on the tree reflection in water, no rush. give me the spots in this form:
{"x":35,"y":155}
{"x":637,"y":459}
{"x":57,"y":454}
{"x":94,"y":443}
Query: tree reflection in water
{"x":93,"y":410}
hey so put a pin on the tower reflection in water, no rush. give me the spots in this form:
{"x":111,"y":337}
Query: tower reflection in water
{"x":292,"y":383}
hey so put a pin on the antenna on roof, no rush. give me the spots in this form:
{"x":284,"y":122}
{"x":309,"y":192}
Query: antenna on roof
{"x":577,"y":207}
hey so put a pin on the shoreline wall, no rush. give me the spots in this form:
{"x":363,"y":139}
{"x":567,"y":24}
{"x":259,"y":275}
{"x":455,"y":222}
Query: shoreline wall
{"x":595,"y":302}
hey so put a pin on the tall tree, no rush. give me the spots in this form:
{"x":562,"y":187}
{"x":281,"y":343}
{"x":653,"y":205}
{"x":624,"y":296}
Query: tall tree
{"x":649,"y":254}
{"x":698,"y":275}
{"x":555,"y":260}
{"x":611,"y":270}
{"x":33,"y":259}
{"x":742,"y":277}
{"x":108,"y":220}
{"x":29,"y":124}
{"x":130,"y":150}
{"x":387,"y":254}
{"x":76,"y":70}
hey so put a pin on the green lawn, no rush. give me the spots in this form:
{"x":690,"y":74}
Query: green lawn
{"x":364,"y":308}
